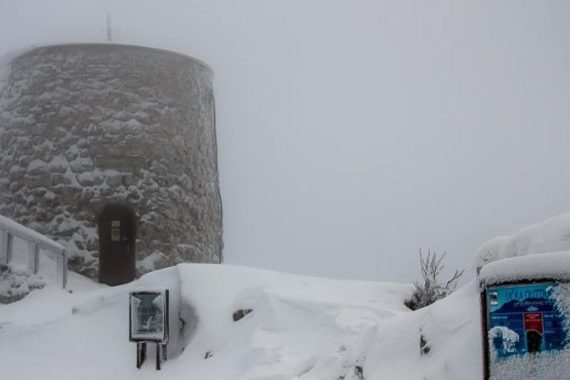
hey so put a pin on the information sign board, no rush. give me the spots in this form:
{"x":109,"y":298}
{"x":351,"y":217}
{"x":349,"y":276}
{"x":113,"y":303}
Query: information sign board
{"x":525,"y":328}
{"x":524,"y":318}
{"x":149,"y":319}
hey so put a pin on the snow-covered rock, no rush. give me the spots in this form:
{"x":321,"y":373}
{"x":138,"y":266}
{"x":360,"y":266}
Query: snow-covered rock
{"x":15,"y":284}
{"x":552,"y":235}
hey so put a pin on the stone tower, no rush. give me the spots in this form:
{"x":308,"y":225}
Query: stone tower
{"x":88,"y":126}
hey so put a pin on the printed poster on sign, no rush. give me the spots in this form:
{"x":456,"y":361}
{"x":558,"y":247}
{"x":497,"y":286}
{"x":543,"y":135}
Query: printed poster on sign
{"x":524,"y":319}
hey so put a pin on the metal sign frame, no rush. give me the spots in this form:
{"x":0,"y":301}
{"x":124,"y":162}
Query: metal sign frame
{"x":142,"y":341}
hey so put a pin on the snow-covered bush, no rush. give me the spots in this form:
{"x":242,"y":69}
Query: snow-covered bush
{"x":429,"y":289}
{"x":15,"y":284}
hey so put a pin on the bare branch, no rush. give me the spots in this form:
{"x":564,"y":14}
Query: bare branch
{"x":429,"y":289}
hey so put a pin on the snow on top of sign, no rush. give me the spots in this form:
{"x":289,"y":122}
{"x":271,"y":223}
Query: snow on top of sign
{"x":553,"y":265}
{"x":552,"y":235}
{"x":141,"y":289}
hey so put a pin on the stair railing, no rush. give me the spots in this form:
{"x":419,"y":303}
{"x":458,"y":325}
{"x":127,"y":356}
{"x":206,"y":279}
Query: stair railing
{"x":36,"y":243}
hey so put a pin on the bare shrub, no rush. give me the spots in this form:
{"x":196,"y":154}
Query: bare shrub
{"x":429,"y":289}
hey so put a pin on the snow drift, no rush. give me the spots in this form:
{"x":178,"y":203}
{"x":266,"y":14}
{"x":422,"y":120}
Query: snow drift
{"x":300,"y":328}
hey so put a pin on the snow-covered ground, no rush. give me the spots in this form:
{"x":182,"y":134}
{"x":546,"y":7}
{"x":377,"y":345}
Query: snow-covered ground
{"x":301,"y":328}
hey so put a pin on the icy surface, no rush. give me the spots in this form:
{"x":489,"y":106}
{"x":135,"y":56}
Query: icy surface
{"x":553,"y":365}
{"x":300,"y":328}
{"x":562,"y":296}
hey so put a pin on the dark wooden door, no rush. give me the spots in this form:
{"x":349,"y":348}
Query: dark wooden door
{"x":117,"y":238}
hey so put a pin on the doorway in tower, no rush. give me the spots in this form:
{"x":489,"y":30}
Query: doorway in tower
{"x":117,"y":230}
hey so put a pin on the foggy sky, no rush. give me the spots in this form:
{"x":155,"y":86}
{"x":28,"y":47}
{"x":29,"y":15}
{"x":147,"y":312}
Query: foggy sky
{"x":352,"y":133}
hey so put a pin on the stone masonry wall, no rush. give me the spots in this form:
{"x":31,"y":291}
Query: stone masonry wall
{"x":82,"y":126}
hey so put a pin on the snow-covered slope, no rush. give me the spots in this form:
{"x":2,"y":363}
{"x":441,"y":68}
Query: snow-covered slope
{"x":300,"y":328}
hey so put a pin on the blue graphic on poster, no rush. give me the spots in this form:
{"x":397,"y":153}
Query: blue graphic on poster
{"x":524,"y":319}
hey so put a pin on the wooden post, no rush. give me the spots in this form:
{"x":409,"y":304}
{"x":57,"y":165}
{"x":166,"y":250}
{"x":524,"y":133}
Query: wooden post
{"x":62,"y":268}
{"x":158,"y":356}
{"x":484,"y":330}
{"x":9,"y":246}
{"x":3,"y":246}
{"x":141,"y":353}
{"x":64,"y":264}
{"x":33,"y":257}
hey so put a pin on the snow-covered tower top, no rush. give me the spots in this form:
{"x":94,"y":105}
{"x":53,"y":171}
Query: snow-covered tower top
{"x":85,"y":126}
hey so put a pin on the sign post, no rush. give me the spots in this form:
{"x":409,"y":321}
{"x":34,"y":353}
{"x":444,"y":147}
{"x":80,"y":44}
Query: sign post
{"x":148,"y":320}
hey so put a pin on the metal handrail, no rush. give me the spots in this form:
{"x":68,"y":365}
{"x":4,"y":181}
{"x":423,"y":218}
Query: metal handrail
{"x":36,"y":242}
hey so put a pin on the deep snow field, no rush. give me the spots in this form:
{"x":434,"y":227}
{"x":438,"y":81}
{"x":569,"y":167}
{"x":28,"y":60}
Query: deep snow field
{"x":300,"y":328}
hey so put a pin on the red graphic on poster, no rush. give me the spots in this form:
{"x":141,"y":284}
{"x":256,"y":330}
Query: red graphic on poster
{"x":533,"y":322}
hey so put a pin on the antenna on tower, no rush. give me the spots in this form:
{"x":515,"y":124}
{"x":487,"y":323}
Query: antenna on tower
{"x":109,"y":31}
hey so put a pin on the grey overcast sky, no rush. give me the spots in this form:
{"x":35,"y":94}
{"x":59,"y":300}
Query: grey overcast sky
{"x":352,"y":133}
